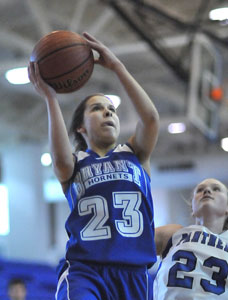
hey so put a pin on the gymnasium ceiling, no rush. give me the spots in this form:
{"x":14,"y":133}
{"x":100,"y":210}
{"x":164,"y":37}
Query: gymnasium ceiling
{"x":153,"y":38}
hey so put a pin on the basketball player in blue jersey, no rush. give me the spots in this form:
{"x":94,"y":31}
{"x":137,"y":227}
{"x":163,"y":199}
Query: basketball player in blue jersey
{"x":194,"y":261}
{"x":111,"y":224}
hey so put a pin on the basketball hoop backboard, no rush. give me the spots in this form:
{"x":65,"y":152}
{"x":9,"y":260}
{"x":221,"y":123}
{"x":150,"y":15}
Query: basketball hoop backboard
{"x":205,"y":74}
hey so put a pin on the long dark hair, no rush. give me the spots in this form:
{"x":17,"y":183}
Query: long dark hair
{"x":77,"y":121}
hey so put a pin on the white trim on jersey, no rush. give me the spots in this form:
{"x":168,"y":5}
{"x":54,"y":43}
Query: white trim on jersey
{"x":147,"y":285}
{"x":124,"y":147}
{"x":61,"y":279}
{"x":82,"y":155}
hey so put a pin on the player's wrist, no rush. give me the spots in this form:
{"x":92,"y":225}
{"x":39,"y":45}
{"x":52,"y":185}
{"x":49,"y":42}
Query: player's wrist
{"x":118,"y":67}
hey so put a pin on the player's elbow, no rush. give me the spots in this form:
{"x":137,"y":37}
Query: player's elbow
{"x":153,"y":123}
{"x":154,"y":117}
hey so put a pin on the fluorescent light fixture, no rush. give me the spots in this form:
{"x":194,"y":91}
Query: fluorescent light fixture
{"x":115,"y":100}
{"x":46,"y":159}
{"x":53,"y":191}
{"x":219,"y":14}
{"x":175,"y":128}
{"x":224,"y":144}
{"x":4,"y":211}
{"x":17,"y":76}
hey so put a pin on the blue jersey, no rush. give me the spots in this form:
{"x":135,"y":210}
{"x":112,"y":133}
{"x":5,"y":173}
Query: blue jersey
{"x":111,"y":219}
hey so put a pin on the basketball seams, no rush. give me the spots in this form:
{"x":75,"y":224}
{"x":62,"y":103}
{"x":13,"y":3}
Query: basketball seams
{"x":60,"y":49}
{"x":75,"y":68}
{"x":65,"y":60}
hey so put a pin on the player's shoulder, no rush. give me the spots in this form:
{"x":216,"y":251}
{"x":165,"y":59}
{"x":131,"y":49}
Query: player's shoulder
{"x":163,"y":235}
{"x":81,"y":155}
{"x":167,"y":231}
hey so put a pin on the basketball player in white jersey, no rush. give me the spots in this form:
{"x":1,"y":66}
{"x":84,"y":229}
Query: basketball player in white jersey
{"x":194,"y":261}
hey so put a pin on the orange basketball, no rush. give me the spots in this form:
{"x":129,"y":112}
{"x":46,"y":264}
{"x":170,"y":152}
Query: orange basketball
{"x":65,"y":60}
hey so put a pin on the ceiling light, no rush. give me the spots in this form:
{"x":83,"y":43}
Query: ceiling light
{"x":219,"y":14}
{"x":17,"y":76}
{"x":114,"y":99}
{"x":53,"y":191}
{"x":224,"y":144}
{"x":46,"y":159}
{"x":174,"y":128}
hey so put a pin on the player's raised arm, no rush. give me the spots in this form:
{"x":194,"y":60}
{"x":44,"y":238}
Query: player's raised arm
{"x":145,"y":136}
{"x":61,"y":151}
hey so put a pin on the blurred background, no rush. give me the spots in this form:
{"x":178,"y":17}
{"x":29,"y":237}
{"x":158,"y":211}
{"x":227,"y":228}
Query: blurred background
{"x":176,"y":49}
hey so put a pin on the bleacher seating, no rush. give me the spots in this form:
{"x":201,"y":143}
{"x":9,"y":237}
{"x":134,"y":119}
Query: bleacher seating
{"x":40,"y":279}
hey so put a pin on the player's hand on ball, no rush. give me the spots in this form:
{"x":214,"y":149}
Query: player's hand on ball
{"x":41,"y":87}
{"x":106,"y":57}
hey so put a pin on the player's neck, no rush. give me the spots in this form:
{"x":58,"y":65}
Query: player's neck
{"x":101,"y":150}
{"x":215,"y":225}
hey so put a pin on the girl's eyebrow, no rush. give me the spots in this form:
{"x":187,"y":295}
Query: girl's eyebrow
{"x":200,"y":186}
{"x":217,"y":185}
{"x":95,"y":104}
{"x":100,"y":104}
{"x":204,"y":185}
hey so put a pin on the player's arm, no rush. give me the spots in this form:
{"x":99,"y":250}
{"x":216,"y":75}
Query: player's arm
{"x":163,"y":234}
{"x":145,"y":136}
{"x":61,"y":151}
{"x":144,"y":139}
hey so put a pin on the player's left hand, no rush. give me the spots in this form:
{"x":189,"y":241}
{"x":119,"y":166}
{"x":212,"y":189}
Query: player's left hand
{"x":106,"y":57}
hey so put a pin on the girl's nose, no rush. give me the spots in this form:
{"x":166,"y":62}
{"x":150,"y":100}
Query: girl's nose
{"x":207,"y":190}
{"x":108,"y":113}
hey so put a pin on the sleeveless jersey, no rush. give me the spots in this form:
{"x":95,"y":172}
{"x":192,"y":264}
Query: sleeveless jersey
{"x":194,"y":266}
{"x":111,"y":219}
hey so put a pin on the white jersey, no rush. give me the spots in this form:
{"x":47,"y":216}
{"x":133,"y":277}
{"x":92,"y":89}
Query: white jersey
{"x":194,"y":266}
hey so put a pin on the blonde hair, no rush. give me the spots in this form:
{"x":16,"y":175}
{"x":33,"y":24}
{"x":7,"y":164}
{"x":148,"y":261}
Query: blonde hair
{"x":225,"y":225}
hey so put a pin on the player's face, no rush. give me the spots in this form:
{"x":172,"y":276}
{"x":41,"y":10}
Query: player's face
{"x":17,"y":292}
{"x":210,"y":197}
{"x":101,"y":123}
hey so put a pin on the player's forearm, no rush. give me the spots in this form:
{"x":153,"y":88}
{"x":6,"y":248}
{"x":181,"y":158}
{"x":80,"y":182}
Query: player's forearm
{"x":140,"y":99}
{"x":61,"y":150}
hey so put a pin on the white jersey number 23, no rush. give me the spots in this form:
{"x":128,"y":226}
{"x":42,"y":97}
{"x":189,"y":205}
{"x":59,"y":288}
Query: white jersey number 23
{"x":131,"y":224}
